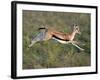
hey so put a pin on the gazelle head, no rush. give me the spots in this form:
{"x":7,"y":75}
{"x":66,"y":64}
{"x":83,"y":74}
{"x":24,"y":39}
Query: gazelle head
{"x":76,"y":29}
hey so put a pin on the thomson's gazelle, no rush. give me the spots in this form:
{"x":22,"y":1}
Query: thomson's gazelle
{"x":64,"y":38}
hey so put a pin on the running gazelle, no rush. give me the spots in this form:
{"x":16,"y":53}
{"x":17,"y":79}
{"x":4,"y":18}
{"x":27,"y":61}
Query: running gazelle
{"x":64,"y":38}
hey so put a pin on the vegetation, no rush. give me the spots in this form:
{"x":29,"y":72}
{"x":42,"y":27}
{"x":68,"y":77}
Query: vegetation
{"x":52,"y":54}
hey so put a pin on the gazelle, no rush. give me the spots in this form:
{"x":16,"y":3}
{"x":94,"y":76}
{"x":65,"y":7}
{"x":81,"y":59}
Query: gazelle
{"x":64,"y":38}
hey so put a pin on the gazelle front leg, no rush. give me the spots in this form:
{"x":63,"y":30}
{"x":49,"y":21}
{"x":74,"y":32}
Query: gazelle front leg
{"x":74,"y":43}
{"x":78,"y":47}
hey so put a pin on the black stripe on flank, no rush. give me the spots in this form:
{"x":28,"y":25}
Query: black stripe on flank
{"x":59,"y":38}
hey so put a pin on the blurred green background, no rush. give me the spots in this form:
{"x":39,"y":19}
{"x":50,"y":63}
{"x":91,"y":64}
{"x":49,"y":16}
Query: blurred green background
{"x":52,"y":54}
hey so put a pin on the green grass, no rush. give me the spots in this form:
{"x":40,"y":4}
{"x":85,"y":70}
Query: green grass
{"x":51,"y":54}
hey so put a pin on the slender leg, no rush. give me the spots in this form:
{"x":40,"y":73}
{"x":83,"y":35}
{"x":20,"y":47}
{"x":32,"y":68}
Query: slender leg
{"x":77,"y":46}
{"x":32,"y":42}
{"x":39,"y":37}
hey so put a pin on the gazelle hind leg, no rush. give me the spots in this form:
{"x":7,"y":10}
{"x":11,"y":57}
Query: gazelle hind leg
{"x":39,"y":37}
{"x":32,"y":42}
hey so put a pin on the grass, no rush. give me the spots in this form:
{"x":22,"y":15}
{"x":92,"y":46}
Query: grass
{"x":51,"y":54}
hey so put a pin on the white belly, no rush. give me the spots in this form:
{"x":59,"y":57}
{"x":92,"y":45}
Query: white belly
{"x":61,"y":41}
